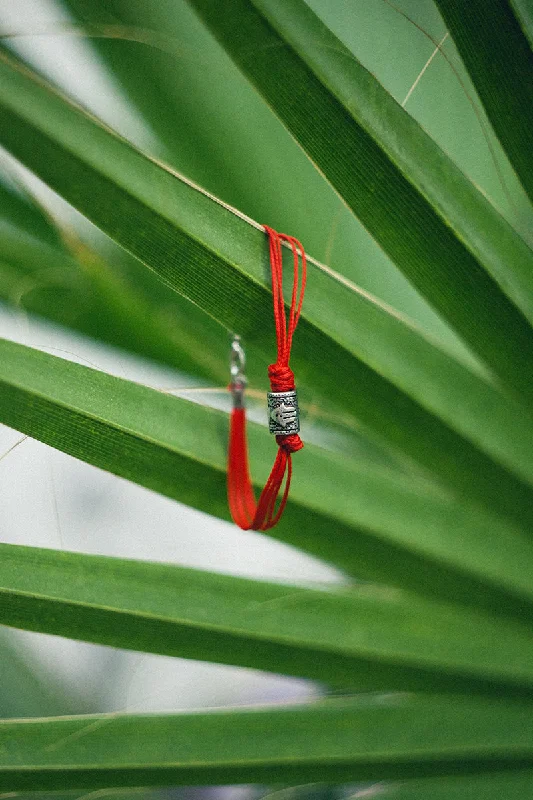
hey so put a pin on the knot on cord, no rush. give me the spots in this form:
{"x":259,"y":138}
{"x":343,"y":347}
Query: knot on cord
{"x":291,"y":443}
{"x":281,"y":378}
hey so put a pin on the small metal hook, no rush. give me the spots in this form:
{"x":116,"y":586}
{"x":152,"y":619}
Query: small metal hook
{"x":236,"y":367}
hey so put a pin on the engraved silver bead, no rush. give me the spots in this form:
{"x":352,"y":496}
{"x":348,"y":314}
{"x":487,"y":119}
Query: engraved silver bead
{"x":283,"y":413}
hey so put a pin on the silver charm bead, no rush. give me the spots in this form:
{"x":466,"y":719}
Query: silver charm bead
{"x":283,"y":413}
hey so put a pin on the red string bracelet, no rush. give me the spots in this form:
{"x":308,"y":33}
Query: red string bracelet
{"x":283,"y":418}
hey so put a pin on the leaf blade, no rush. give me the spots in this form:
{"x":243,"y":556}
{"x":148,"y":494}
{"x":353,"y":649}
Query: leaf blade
{"x":512,"y":785}
{"x":362,"y":739}
{"x":365,"y":638}
{"x":498,"y":57}
{"x":87,"y":294}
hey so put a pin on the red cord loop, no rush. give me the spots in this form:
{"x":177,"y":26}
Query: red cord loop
{"x":246,"y":514}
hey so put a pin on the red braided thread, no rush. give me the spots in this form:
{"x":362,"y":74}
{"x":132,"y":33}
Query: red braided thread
{"x":246,"y":514}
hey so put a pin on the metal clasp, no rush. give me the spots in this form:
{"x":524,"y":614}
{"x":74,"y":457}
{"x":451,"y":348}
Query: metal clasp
{"x":237,"y":364}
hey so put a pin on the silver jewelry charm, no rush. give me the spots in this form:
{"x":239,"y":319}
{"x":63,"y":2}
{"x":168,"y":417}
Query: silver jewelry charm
{"x":283,"y":413}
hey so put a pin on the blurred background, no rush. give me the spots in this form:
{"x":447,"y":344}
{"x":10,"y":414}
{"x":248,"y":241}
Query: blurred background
{"x":151,"y":72}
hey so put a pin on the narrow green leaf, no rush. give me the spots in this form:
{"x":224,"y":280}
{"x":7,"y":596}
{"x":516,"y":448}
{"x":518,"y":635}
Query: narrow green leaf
{"x":216,"y":258}
{"x":515,"y":785}
{"x":367,"y":638}
{"x":28,"y":689}
{"x":87,"y":294}
{"x":427,"y":216}
{"x":524,"y":13}
{"x":368,"y":738}
{"x":22,"y":212}
{"x":498,"y":57}
{"x":372,"y":522}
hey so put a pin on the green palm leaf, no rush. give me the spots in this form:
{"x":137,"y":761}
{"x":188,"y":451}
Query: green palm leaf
{"x":498,"y":57}
{"x":367,"y":738}
{"x":365,"y":638}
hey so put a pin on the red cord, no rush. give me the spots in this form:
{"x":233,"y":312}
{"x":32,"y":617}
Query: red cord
{"x":246,"y":514}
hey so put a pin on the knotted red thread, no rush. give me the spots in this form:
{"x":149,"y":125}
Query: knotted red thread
{"x":244,"y":510}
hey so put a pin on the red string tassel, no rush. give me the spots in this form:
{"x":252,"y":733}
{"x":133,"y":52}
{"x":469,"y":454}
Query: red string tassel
{"x":244,"y":510}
